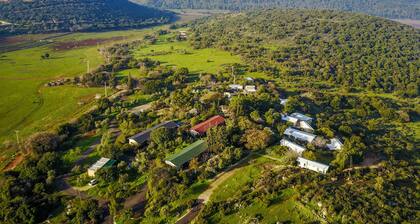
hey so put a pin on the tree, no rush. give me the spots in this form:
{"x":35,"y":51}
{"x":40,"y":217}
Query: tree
{"x":162,"y":137}
{"x":217,"y":139}
{"x":42,"y":142}
{"x":256,"y":139}
{"x":352,"y":152}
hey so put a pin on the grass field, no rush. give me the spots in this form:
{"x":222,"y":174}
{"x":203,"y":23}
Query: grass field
{"x":285,"y":209}
{"x":181,"y":54}
{"x":25,"y":104}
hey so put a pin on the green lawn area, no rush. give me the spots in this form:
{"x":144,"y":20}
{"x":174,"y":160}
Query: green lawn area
{"x":181,"y":54}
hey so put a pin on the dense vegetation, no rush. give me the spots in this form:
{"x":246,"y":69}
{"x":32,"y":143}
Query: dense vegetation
{"x":387,"y":8}
{"x":348,"y":49}
{"x":75,"y":15}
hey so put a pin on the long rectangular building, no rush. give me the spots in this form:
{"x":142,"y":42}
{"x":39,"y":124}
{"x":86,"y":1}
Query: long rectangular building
{"x":300,"y":135}
{"x":312,"y":165}
{"x":201,"y":128}
{"x":101,"y":163}
{"x":144,"y":136}
{"x":188,"y":153}
{"x":292,"y":146}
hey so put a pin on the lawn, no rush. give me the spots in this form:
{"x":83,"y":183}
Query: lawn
{"x":181,"y":54}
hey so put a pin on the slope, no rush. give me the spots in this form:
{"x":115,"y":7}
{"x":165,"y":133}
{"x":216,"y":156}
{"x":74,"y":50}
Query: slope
{"x":76,"y":15}
{"x":353,"y":50}
{"x":385,"y":8}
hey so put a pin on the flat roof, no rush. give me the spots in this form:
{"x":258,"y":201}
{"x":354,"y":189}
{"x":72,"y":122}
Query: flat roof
{"x":187,"y":154}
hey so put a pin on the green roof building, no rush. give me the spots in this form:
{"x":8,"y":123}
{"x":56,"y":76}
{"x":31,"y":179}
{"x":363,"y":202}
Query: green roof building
{"x":193,"y":150}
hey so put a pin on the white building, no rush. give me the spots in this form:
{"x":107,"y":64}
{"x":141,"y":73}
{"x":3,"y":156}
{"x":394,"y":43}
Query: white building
{"x":292,"y":146}
{"x":101,"y":163}
{"x":250,"y":89}
{"x":236,"y":87}
{"x":305,"y":126}
{"x":301,"y":117}
{"x":312,"y":165}
{"x":249,"y":79}
{"x":300,"y":135}
{"x":283,"y":101}
{"x":289,"y":119}
{"x":335,"y":144}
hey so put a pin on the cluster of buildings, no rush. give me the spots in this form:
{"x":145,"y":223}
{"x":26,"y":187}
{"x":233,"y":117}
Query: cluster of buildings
{"x":302,"y":133}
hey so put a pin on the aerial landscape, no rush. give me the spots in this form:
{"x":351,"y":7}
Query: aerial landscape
{"x":208,"y":112}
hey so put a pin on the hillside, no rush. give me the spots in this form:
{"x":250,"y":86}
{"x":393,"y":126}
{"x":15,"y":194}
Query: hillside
{"x":385,"y":8}
{"x":353,"y":50}
{"x":76,"y":15}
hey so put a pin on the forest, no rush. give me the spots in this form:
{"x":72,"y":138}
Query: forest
{"x":384,"y":8}
{"x":42,"y":16}
{"x":348,"y":49}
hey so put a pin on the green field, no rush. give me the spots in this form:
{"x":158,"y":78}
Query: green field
{"x":26,"y":105}
{"x":285,"y":209}
{"x":181,"y":54}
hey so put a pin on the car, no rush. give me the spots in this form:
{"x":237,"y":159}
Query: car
{"x":93,"y":182}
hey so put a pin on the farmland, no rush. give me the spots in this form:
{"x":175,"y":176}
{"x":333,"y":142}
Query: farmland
{"x":26,"y":105}
{"x":181,"y":54}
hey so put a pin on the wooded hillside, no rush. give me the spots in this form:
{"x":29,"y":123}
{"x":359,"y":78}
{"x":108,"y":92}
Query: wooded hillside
{"x":384,"y":8}
{"x":349,"y":49}
{"x":76,"y":15}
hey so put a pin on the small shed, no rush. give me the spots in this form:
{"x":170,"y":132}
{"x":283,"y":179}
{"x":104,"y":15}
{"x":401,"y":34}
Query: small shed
{"x":188,"y":153}
{"x":101,"y":163}
{"x":236,"y":87}
{"x":335,"y":144}
{"x":312,"y":165}
{"x":250,"y":89}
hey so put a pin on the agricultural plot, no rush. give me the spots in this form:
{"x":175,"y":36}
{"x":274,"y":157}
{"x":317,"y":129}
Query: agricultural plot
{"x":25,"y":104}
{"x":181,"y":54}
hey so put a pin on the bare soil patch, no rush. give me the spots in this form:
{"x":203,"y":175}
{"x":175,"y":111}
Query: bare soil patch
{"x":62,"y":46}
{"x":15,"y":162}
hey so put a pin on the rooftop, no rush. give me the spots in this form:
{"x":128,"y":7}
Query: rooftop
{"x":301,"y":135}
{"x":312,"y":165}
{"x":301,"y":117}
{"x":193,"y":150}
{"x":145,"y":135}
{"x":202,"y":127}
{"x":102,"y":162}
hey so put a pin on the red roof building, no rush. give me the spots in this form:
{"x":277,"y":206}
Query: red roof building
{"x":201,"y":129}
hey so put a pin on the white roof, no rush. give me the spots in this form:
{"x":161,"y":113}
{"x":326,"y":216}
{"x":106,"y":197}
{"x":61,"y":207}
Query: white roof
{"x":305,"y":125}
{"x":301,"y":117}
{"x":283,"y":101}
{"x":289,"y":119}
{"x":236,"y":86}
{"x":335,"y":144}
{"x":99,"y":164}
{"x":301,"y":135}
{"x":293,"y":146}
{"x":250,"y":89}
{"x":312,"y":165}
{"x":249,"y":79}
